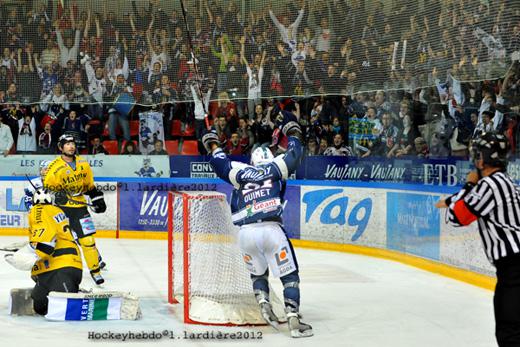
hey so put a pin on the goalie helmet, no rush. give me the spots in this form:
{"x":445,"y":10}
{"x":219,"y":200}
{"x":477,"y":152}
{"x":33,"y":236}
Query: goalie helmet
{"x":493,"y":148}
{"x":42,"y":196}
{"x":261,"y":156}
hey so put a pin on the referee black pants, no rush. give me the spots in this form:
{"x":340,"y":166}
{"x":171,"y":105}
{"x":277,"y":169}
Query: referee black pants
{"x":507,"y":302}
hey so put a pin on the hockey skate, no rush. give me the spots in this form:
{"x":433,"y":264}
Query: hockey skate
{"x":268,"y":314}
{"x":297,"y":327}
{"x":96,"y":276}
{"x":102,"y":264}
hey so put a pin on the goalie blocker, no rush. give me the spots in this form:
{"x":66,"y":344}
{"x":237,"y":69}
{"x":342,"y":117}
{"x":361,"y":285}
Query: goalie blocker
{"x":109,"y":305}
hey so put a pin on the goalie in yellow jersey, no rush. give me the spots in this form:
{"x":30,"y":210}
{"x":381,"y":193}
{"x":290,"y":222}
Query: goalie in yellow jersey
{"x":52,"y":253}
{"x":70,"y":177}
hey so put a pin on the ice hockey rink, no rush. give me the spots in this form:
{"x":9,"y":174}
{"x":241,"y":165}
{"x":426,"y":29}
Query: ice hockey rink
{"x":350,"y":300}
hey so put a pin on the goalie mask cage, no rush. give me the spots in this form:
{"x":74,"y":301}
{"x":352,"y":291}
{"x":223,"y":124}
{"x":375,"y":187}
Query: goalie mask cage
{"x":205,"y":266}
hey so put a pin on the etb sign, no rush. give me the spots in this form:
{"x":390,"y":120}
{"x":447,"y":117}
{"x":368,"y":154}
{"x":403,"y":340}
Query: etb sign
{"x":201,"y":170}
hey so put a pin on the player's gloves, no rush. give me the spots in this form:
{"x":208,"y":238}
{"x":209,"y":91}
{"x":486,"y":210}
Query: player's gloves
{"x":97,"y":199}
{"x":208,"y":139}
{"x":60,"y":198}
{"x":292,"y":129}
{"x":283,"y":118}
{"x":23,"y":259}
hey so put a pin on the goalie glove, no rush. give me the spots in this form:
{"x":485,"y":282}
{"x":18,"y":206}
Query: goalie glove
{"x":208,"y":139}
{"x":23,"y":259}
{"x":60,"y":198}
{"x":98,"y":200}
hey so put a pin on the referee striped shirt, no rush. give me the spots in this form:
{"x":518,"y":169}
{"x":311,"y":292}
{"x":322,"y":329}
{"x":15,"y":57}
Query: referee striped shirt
{"x":495,"y":203}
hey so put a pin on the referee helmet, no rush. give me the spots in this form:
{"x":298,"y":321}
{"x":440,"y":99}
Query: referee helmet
{"x":493,"y":147}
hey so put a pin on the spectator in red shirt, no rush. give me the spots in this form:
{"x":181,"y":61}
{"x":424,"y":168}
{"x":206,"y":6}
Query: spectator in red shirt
{"x":235,"y":145}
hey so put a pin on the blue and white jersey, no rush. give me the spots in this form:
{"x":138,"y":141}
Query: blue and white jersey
{"x":259,"y":191}
{"x":29,"y":191}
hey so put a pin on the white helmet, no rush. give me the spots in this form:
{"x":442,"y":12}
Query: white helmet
{"x":261,"y":156}
{"x":42,"y":196}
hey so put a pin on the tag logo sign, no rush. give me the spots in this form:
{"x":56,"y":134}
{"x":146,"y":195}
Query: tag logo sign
{"x":334,"y":204}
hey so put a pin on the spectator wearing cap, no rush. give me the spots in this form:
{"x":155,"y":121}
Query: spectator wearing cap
{"x":6,"y":138}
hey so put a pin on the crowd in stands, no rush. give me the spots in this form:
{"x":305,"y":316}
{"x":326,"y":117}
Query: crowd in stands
{"x":65,"y":69}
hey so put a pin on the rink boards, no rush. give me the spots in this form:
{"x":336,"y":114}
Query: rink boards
{"x":395,"y":221}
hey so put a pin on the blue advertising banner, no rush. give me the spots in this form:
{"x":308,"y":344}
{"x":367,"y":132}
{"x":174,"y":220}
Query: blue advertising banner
{"x":442,"y":172}
{"x":145,"y":204}
{"x":413,"y":224}
{"x":432,"y":172}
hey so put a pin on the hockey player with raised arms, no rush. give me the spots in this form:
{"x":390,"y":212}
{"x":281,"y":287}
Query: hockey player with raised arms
{"x":257,"y":205}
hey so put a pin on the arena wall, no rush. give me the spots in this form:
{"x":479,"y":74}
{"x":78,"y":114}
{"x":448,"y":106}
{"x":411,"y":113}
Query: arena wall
{"x":393,"y":221}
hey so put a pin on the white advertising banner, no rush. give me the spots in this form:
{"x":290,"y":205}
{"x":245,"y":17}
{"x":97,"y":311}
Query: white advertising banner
{"x":102,"y":165}
{"x":398,"y":220}
{"x":462,"y":247}
{"x":13,"y":214}
{"x":343,"y":215}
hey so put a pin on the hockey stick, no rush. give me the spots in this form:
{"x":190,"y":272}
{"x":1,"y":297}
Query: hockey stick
{"x":13,"y":247}
{"x":195,"y":63}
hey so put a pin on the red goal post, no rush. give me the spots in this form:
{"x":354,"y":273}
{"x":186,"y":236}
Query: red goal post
{"x":205,"y":266}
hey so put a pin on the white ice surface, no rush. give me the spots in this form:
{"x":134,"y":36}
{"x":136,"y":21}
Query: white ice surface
{"x":349,"y":300}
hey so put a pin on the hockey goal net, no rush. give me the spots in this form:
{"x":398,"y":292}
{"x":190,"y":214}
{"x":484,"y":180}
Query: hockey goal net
{"x":205,"y":267}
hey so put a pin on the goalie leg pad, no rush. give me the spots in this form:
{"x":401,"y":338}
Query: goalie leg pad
{"x":102,"y":305}
{"x":64,"y":280}
{"x":21,"y":302}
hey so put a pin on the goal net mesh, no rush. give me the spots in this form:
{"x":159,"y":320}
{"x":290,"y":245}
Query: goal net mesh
{"x":308,"y":47}
{"x":207,"y":267}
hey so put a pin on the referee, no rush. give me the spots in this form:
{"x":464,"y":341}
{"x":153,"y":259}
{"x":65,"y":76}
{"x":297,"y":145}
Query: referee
{"x":493,"y":199}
